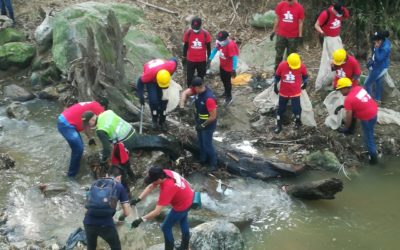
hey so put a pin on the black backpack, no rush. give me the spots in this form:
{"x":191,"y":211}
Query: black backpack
{"x":321,"y":38}
{"x":102,"y":198}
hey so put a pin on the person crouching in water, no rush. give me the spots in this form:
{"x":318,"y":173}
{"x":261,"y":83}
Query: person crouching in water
{"x":292,"y":74}
{"x":206,"y":119}
{"x":174,"y":191}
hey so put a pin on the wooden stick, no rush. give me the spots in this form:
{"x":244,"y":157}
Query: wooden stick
{"x":222,"y":183}
{"x":158,"y":8}
{"x":233,"y":157}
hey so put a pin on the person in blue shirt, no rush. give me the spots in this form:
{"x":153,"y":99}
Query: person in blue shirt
{"x":378,"y":64}
{"x":103,"y":226}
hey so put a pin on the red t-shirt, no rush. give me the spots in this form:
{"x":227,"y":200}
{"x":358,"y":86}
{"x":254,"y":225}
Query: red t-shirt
{"x":349,"y":69}
{"x":151,"y":68}
{"x":197,"y":49}
{"x":211,"y":104}
{"x":288,"y":19}
{"x":290,"y":79}
{"x":226,"y":53}
{"x":333,"y":26}
{"x":360,"y":102}
{"x":74,"y":113}
{"x":175,"y":191}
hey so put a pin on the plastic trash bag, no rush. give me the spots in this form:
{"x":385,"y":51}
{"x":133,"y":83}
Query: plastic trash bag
{"x":265,"y":20}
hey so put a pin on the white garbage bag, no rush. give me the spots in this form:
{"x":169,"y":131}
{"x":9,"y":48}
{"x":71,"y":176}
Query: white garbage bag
{"x":388,"y":116}
{"x":331,"y":102}
{"x":173,"y":95}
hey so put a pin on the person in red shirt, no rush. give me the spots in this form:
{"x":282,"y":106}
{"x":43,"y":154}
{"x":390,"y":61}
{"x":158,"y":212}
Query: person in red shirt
{"x":292,"y":74}
{"x":69,"y":125}
{"x":156,"y":76}
{"x":228,"y":59}
{"x":359,"y":104}
{"x":345,"y":65}
{"x":206,"y":119}
{"x":288,"y":26}
{"x":174,"y":191}
{"x":196,"y":50}
{"x":329,"y":25}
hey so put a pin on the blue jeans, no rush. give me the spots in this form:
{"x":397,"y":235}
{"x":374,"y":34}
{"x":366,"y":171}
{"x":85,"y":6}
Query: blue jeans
{"x":296,"y":106}
{"x":3,"y":5}
{"x":375,"y":76}
{"x":172,"y":218}
{"x":368,"y":130}
{"x":207,"y":151}
{"x":75,"y":142}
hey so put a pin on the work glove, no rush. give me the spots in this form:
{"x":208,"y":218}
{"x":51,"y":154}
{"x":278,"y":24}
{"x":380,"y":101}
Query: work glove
{"x":121,"y":217}
{"x":141,"y":100}
{"x":271,"y":37}
{"x":304,"y":86}
{"x":200,"y":127}
{"x":338,"y":108}
{"x":276,"y":90}
{"x":344,"y":131}
{"x":91,"y":142}
{"x":136,"y":222}
{"x":135,"y":201}
{"x":233,"y":73}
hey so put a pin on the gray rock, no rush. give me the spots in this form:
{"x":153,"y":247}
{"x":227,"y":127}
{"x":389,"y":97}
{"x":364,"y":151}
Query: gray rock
{"x":44,"y":33}
{"x":260,"y":56}
{"x":6,"y":162}
{"x":217,"y":234}
{"x":5,"y":22}
{"x":49,"y":93}
{"x":53,"y":189}
{"x":17,"y":110}
{"x":17,"y":93}
{"x":157,"y":247}
{"x":316,"y":190}
{"x":18,"y":245}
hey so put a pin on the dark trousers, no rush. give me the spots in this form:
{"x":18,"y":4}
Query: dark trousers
{"x":368,"y":131}
{"x":3,"y":5}
{"x":107,"y":233}
{"x":157,"y":105}
{"x":226,"y":80}
{"x":282,"y":44}
{"x":296,"y":107}
{"x":172,"y":218}
{"x":191,"y":67}
{"x":207,"y":151}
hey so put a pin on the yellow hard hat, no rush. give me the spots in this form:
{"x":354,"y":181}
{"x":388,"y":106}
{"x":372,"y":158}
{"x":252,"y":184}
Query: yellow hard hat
{"x":339,"y":57}
{"x":294,"y":61}
{"x":163,"y":78}
{"x":343,"y":83}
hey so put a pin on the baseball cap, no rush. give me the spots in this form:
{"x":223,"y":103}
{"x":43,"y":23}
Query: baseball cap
{"x":154,"y":174}
{"x":222,"y":35}
{"x":197,"y":81}
{"x":86,"y":117}
{"x":196,"y":23}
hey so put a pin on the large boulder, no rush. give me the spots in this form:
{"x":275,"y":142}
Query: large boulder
{"x":44,"y":33}
{"x":69,"y":29}
{"x":16,"y":54}
{"x":17,"y":93}
{"x":259,"y":55}
{"x":217,"y":234}
{"x":316,"y":190}
{"x":11,"y":35}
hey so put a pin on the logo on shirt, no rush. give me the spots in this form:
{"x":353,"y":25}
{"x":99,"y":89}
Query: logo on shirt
{"x":179,"y":181}
{"x":221,"y":55}
{"x":196,"y":44}
{"x":154,"y":63}
{"x":336,"y":24}
{"x":340,"y":73}
{"x":288,"y":17}
{"x":363,"y":95}
{"x":290,"y":78}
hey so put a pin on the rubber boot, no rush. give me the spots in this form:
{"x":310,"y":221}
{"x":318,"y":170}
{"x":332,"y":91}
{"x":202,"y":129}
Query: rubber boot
{"x":278,"y":127}
{"x":373,"y":159}
{"x":169,"y":245}
{"x":184,"y":244}
{"x":154,"y":120}
{"x":162,"y":123}
{"x":297,"y":123}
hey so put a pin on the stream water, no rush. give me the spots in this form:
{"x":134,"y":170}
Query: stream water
{"x":365,"y":215}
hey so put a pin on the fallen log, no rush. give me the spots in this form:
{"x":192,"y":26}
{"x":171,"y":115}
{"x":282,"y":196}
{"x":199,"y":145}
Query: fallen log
{"x":315,"y":190}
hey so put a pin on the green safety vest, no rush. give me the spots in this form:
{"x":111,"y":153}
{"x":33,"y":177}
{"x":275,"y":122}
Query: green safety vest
{"x":115,"y":127}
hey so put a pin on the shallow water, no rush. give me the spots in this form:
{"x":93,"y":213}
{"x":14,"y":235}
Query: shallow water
{"x":363,"y":216}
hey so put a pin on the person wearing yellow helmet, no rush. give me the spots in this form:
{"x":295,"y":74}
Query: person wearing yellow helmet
{"x":359,"y":105}
{"x":293,"y":77}
{"x":156,"y":76}
{"x":345,"y":65}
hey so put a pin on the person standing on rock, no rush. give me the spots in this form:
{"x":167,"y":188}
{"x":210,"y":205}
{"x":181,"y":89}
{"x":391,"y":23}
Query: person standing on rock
{"x":288,"y":26}
{"x":378,"y":64}
{"x":174,"y":191}
{"x":328,"y":25}
{"x":293,"y":77}
{"x":7,"y":4}
{"x":206,"y":119}
{"x":70,"y":124}
{"x":196,"y":50}
{"x":101,"y":207}
{"x":228,"y":59}
{"x":156,"y":76}
{"x":359,"y":104}
{"x":345,"y":65}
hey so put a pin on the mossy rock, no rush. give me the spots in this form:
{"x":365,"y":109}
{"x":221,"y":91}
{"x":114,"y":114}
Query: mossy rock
{"x":70,"y":28}
{"x":263,"y":21}
{"x":323,"y":159}
{"x":16,"y":54}
{"x":10,"y":35}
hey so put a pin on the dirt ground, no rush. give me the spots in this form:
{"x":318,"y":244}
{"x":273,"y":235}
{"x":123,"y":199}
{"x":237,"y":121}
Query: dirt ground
{"x":234,"y":122}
